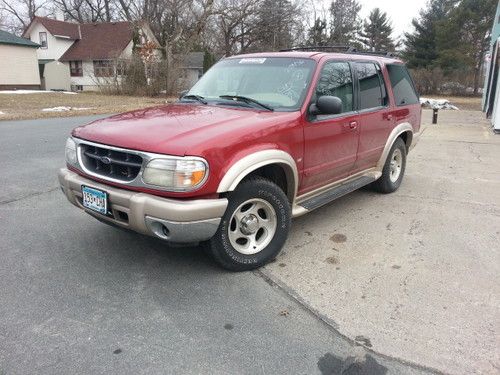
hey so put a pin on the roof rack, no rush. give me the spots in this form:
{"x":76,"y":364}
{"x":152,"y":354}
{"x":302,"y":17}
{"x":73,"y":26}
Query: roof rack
{"x":334,"y":48}
{"x":340,"y":49}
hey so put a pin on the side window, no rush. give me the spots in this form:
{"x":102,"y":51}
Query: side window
{"x":402,"y":85}
{"x":43,"y":39}
{"x":372,"y":91}
{"x":336,"y":80}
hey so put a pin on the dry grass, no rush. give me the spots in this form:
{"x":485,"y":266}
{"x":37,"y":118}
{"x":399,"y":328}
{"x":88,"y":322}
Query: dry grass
{"x":466,"y":103}
{"x":29,"y":106}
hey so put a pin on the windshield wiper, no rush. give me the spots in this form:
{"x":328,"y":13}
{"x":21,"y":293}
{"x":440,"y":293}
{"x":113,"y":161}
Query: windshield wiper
{"x":198,"y":98}
{"x":247,"y":100}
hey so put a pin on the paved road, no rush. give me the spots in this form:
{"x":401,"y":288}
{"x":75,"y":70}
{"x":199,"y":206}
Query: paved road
{"x":77,"y":296}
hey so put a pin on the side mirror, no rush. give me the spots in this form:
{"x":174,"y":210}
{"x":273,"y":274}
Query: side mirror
{"x":326,"y":105}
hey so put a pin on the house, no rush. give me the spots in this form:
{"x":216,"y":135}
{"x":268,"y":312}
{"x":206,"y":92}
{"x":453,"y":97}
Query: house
{"x":491,"y":92}
{"x":84,"y":56}
{"x":191,"y":69}
{"x":18,"y":63}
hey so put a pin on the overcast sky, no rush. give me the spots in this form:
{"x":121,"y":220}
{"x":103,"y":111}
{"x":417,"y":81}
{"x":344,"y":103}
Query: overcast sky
{"x":400,"y":12}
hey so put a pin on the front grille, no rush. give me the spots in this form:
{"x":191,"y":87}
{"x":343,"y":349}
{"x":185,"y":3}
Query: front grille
{"x":118,"y":165}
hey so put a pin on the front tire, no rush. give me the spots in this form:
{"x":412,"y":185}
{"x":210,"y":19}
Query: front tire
{"x":254,"y":227}
{"x":394,"y":169}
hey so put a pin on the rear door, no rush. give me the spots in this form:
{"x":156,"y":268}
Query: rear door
{"x":331,"y":141}
{"x":374,"y":117}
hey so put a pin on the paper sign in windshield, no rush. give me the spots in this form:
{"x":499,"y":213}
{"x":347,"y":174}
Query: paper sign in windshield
{"x":253,"y":60}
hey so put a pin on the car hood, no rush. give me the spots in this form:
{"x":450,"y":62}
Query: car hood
{"x":176,"y":129}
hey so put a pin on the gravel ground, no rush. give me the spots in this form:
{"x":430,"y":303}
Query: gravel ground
{"x":413,"y":274}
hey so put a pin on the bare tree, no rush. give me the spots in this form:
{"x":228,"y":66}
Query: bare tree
{"x":235,"y":21}
{"x":88,"y":10}
{"x":21,"y":12}
{"x":280,"y":24}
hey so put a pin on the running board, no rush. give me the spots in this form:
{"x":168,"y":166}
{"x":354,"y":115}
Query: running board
{"x":335,"y":193}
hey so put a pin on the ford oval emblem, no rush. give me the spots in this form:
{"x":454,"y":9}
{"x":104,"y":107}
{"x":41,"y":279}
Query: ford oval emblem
{"x":105,"y":160}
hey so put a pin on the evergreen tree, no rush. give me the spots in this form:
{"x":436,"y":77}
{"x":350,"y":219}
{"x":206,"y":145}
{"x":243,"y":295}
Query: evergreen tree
{"x":452,"y":35}
{"x":469,"y":23}
{"x":377,"y":30}
{"x":316,"y":36}
{"x":208,"y":60}
{"x":345,"y":23}
{"x":421,"y":45}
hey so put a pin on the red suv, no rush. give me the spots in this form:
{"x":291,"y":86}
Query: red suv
{"x":261,"y":138}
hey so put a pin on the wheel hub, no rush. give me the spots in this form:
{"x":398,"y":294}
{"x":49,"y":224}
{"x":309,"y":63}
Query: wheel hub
{"x":249,"y":224}
{"x":252,"y":226}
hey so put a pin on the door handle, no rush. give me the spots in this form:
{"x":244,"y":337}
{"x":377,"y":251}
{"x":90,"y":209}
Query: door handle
{"x":351,"y":125}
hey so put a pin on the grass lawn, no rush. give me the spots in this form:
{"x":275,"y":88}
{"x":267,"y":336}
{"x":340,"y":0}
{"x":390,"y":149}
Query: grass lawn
{"x":29,"y":106}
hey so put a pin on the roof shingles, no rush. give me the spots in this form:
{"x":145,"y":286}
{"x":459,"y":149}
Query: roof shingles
{"x":58,"y":28}
{"x":8,"y":38}
{"x":100,"y":41}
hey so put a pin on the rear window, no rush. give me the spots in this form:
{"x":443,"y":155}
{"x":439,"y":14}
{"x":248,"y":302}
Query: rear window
{"x":402,"y":85}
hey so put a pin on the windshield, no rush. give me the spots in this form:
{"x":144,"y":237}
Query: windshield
{"x":277,"y":82}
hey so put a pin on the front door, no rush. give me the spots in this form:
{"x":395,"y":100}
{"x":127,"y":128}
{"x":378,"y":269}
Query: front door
{"x":331,"y":141}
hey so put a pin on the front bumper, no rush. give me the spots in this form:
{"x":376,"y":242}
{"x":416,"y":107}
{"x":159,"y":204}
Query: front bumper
{"x":169,"y":219}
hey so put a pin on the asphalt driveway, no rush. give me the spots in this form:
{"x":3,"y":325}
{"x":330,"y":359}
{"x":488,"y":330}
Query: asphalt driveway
{"x":80,"y":297}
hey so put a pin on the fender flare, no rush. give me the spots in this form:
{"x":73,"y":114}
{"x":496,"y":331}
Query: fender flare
{"x":249,"y":163}
{"x":395,"y":133}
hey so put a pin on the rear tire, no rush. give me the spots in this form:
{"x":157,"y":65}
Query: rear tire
{"x":254,"y":227}
{"x":394,"y":169}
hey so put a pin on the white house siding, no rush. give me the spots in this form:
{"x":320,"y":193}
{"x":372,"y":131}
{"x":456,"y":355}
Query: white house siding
{"x":18,"y":66}
{"x":89,"y":82}
{"x":55,"y":46}
{"x":57,"y":76}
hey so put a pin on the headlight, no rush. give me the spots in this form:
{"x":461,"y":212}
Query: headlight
{"x":176,"y":174}
{"x":71,"y":151}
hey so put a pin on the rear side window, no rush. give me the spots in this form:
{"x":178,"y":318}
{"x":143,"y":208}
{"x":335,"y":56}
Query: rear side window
{"x":402,"y":85}
{"x":372,"y":92}
{"x":336,"y":80}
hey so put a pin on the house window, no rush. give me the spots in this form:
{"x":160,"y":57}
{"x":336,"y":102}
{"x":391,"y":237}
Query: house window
{"x":121,"y":68}
{"x":75,"y":68}
{"x":103,"y":68}
{"x":43,"y":39}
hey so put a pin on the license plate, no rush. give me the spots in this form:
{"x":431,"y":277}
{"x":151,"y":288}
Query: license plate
{"x":95,"y":200}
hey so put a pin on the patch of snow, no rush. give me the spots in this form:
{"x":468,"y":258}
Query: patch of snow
{"x":56,"y":109}
{"x":65,"y":109}
{"x":437,"y":103}
{"x":2,"y":113}
{"x":18,"y":92}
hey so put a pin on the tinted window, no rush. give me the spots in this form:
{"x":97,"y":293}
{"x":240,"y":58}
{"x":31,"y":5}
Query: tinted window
{"x":371,"y":91}
{"x":336,"y":80}
{"x":402,"y":85}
